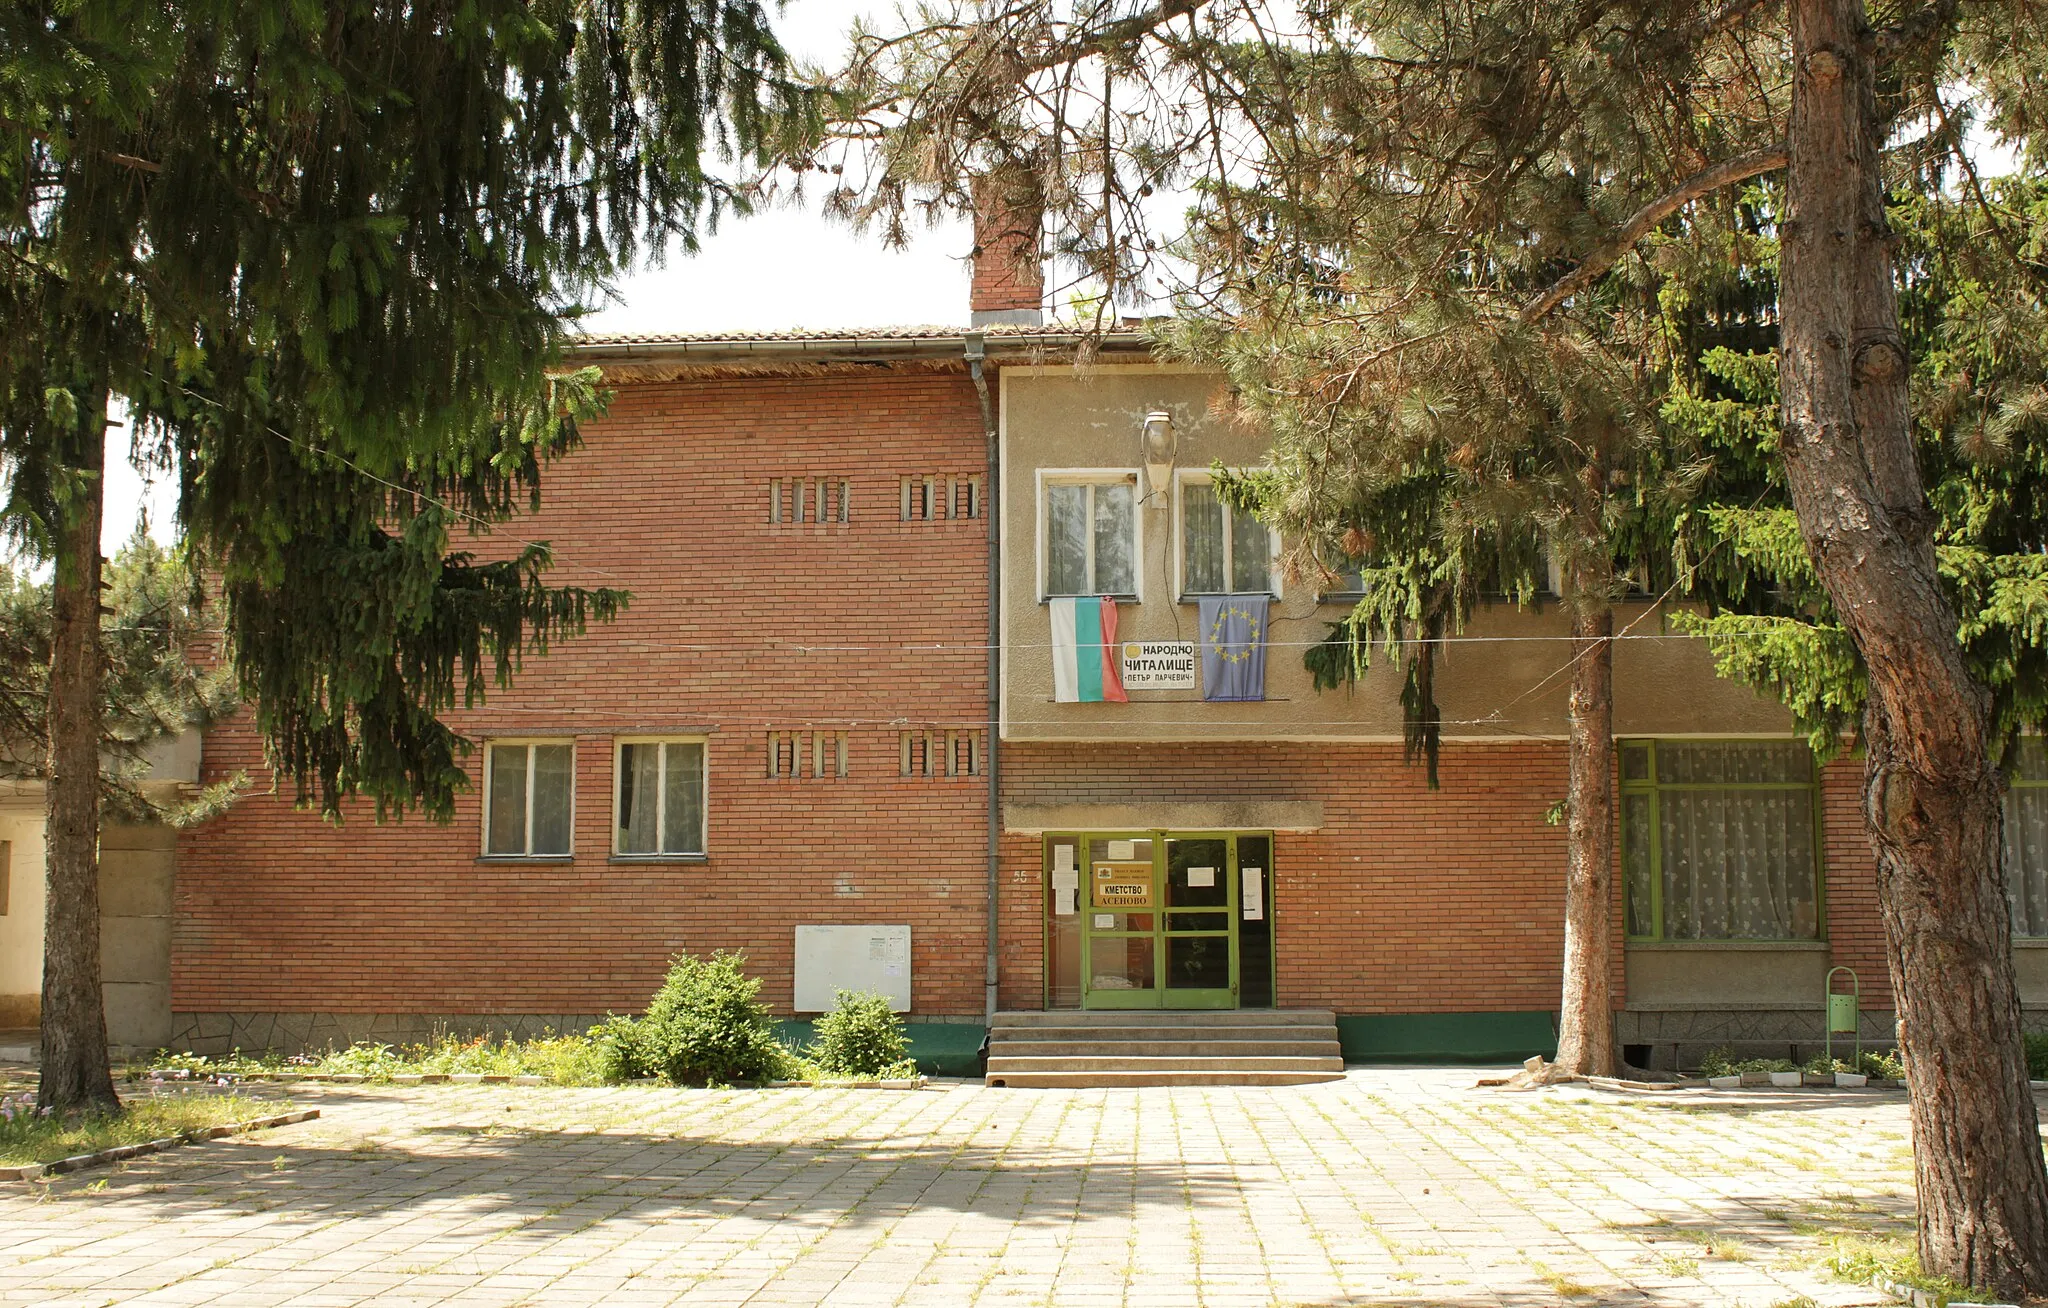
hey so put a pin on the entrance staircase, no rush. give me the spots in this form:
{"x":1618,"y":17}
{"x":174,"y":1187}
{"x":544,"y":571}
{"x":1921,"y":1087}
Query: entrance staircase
{"x":1152,"y":1047}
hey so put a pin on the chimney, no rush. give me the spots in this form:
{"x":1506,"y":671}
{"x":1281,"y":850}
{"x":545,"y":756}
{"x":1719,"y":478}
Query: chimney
{"x":1009,"y":274}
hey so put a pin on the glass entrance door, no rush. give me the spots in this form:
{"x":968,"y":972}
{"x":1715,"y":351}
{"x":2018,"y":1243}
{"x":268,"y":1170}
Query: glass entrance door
{"x":1159,"y":921}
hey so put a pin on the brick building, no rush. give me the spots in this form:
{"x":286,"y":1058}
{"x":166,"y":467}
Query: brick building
{"x":790,"y":729}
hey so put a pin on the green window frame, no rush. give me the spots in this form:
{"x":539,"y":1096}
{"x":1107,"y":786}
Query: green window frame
{"x":1668,"y":787}
{"x":2026,"y":840}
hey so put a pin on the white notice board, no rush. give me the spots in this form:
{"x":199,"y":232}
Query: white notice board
{"x":829,"y":958}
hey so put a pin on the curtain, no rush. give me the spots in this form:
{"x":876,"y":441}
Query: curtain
{"x":1250,"y":566}
{"x":1201,"y":515}
{"x":553,"y":776}
{"x":1114,"y":571}
{"x":1066,"y":540}
{"x":639,"y":767}
{"x":508,"y":800}
{"x":682,"y":829}
{"x":1637,"y":842}
{"x":2026,"y":858}
{"x":1738,"y":864}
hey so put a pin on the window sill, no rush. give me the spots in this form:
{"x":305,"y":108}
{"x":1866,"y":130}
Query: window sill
{"x":1195,"y":596}
{"x":2030,"y":942}
{"x":1045,"y":600}
{"x":1732,"y":946}
{"x":518,"y":859}
{"x":659,"y":858}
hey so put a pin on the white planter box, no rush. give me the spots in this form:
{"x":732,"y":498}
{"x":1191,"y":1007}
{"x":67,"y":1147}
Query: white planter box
{"x":1785,"y":1080}
{"x":1851,"y":1080}
{"x":1724,"y":1082}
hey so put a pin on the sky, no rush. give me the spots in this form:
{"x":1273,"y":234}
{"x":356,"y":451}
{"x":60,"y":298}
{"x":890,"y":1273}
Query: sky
{"x":778,"y":269}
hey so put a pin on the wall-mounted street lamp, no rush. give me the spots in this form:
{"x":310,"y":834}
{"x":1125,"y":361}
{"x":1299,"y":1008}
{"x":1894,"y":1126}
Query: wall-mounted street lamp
{"x":1157,"y":441}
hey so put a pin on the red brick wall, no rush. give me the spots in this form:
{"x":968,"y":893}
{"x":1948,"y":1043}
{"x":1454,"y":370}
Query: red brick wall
{"x":736,"y":627}
{"x":1849,"y":871}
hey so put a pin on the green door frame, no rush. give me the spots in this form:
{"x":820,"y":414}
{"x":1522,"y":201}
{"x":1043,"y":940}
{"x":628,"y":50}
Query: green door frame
{"x":1164,"y":924}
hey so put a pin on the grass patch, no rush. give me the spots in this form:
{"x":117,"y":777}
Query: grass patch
{"x":563,"y":1060}
{"x":1677,"y":1265}
{"x":28,"y":1137}
{"x":1864,"y":1259}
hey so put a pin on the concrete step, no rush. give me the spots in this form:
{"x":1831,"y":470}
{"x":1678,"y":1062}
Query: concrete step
{"x":1112,"y":1034}
{"x":1122,"y":1080}
{"x":1175,"y":1017}
{"x":1162,"y":1048}
{"x":1002,"y":1066}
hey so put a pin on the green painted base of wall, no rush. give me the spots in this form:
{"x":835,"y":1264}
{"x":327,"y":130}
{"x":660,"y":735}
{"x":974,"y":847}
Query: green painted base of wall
{"x":1446,"y":1037}
{"x":940,"y":1048}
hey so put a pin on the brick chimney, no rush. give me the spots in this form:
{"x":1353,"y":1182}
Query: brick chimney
{"x":1009,"y":272}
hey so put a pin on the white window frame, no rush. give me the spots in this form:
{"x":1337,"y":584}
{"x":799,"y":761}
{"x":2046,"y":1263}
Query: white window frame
{"x":491,"y":748}
{"x":1192,"y":477}
{"x":1050,"y":477}
{"x":661,"y":797}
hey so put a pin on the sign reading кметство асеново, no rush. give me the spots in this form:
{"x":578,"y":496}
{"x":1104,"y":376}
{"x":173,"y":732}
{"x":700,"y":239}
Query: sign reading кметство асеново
{"x":1159,"y":665}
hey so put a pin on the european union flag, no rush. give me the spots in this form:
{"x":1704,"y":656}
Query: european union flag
{"x":1233,"y":647}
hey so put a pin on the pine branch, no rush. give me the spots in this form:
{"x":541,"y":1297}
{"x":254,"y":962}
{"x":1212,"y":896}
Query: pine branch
{"x":1608,"y":252}
{"x":1109,"y":35}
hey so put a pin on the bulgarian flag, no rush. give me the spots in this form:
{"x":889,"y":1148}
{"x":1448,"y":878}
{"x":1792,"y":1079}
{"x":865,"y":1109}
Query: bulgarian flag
{"x":1084,"y":668}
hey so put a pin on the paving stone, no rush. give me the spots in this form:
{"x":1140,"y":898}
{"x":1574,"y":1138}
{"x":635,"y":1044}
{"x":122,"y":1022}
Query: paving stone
{"x":1395,"y":1185}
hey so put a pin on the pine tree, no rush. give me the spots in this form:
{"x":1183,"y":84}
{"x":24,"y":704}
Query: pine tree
{"x":153,"y":688}
{"x":329,"y":256}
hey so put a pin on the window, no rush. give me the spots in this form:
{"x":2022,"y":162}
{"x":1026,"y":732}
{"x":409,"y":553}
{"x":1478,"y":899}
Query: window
{"x":2026,"y":841}
{"x":790,"y":753}
{"x":1718,"y":840}
{"x":1223,"y":550}
{"x":810,"y":499}
{"x":932,"y":498}
{"x":529,"y":796}
{"x":1091,"y":530}
{"x":939,"y":753}
{"x":661,"y":798}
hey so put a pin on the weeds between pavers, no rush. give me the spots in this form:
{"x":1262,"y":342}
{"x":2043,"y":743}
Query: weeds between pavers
{"x":27,"y":1136}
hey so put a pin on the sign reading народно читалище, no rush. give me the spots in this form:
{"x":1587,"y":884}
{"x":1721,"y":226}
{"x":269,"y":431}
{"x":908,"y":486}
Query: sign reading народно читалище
{"x":1159,"y":665}
{"x":1123,"y":885}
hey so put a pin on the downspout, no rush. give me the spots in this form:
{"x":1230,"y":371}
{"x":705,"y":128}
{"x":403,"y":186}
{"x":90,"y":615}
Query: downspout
{"x":976,"y":352}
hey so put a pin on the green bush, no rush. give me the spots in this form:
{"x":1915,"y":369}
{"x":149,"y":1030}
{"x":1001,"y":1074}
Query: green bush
{"x":705,"y":1026}
{"x":1881,"y":1065}
{"x":861,"y":1036}
{"x":2037,"y":1057}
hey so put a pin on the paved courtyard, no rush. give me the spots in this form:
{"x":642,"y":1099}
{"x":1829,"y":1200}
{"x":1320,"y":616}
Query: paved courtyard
{"x":1406,"y":1186}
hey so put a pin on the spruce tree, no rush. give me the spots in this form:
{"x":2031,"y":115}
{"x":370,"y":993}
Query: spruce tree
{"x":329,"y":256}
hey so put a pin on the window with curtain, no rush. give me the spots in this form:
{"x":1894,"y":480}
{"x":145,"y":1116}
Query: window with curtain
{"x":2026,"y":841}
{"x":529,"y":798}
{"x":1718,"y":840}
{"x":1224,"y":550}
{"x":661,"y":798}
{"x":1091,"y":537}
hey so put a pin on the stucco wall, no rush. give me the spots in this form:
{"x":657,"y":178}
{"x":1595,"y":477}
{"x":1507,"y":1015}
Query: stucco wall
{"x":1494,"y":683}
{"x":138,"y":876}
{"x":21,"y":927}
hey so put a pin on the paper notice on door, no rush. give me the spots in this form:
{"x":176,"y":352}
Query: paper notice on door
{"x":1062,"y":858}
{"x":1122,"y":851}
{"x":1201,"y":876}
{"x":1105,"y":921}
{"x":1066,"y":878}
{"x":1063,"y":900}
{"x":1254,"y":888}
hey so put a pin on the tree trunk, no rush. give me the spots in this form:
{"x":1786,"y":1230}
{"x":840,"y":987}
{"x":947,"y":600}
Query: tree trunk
{"x":1931,"y":794}
{"x":1585,"y":1036}
{"x":74,"y":1037}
